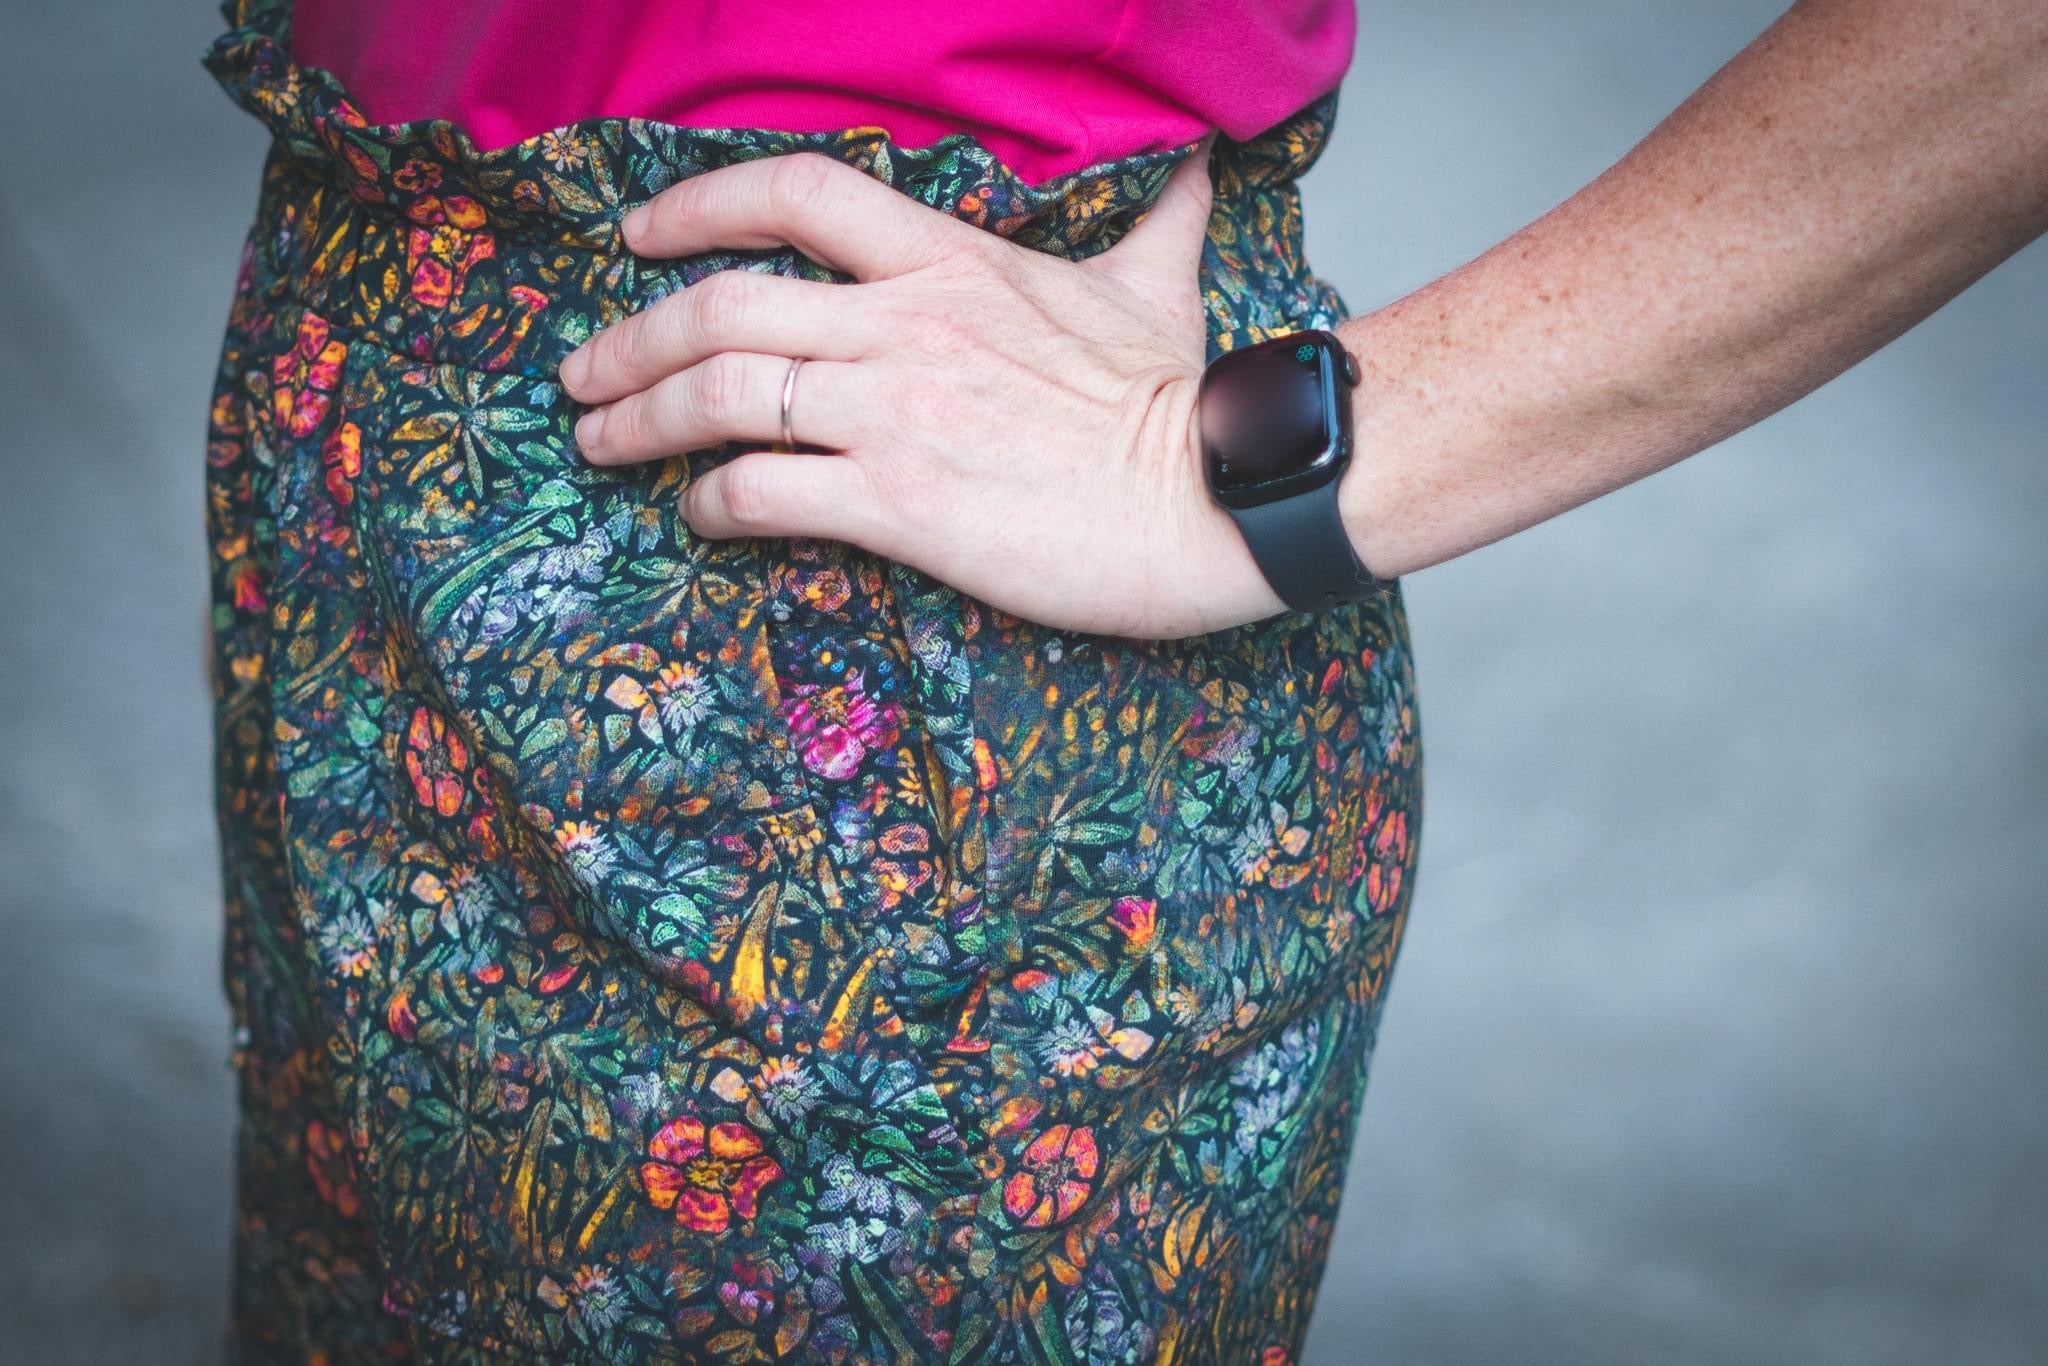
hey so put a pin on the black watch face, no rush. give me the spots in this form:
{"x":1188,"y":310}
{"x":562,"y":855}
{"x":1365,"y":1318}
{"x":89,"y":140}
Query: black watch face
{"x":1269,"y":414}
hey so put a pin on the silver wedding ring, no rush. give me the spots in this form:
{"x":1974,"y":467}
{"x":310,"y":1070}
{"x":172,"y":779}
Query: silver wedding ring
{"x":788,"y":398}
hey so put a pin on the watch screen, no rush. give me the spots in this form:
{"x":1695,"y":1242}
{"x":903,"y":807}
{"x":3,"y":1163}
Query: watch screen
{"x":1265,"y":417}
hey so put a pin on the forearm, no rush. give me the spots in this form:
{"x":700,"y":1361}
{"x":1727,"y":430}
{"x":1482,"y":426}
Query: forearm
{"x":1854,"y":168}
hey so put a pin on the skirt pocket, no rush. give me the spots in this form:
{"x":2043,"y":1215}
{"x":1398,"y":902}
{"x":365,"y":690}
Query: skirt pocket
{"x":611,"y":671}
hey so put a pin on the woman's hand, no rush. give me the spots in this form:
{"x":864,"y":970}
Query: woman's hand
{"x":1017,"y":425}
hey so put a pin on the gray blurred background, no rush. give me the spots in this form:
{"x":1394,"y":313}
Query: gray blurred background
{"x":1718,"y":1034}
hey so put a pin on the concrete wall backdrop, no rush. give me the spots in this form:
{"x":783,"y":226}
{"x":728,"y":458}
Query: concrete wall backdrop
{"x":1717,"y":1038}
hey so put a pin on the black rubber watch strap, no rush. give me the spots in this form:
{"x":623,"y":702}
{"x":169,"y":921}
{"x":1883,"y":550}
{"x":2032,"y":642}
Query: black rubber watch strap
{"x":1302,"y":549}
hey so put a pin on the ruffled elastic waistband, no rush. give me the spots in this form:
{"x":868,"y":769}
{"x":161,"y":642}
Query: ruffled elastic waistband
{"x":570,"y":186}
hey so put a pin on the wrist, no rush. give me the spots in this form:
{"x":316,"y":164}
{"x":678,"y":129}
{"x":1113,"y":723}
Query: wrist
{"x":1209,"y":556}
{"x":1360,"y":488}
{"x":1277,"y":440}
{"x":1221,"y":559}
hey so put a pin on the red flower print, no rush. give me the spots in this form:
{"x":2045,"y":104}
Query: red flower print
{"x":442,"y":249}
{"x":836,"y":726}
{"x":416,"y":175}
{"x":432,"y":280}
{"x":707,"y":1178}
{"x":749,"y":1293}
{"x":435,"y":758}
{"x":249,"y":595}
{"x":1059,"y":1166}
{"x":302,"y":380}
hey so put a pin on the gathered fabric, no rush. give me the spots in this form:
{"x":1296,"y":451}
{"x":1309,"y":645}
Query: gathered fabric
{"x":645,"y":948}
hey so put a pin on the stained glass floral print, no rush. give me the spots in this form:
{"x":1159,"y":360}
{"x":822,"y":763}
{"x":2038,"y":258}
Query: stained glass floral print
{"x":646,"y":949}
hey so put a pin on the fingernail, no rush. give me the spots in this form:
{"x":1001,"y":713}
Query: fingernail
{"x":575,"y":369}
{"x":636,"y":223}
{"x":589,"y":428}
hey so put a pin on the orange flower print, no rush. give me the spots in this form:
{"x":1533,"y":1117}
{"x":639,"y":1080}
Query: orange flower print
{"x":401,"y":1018}
{"x":458,"y":210}
{"x":898,"y":880}
{"x":435,"y":759}
{"x":1389,"y":853}
{"x":827,"y":590}
{"x":707,"y":1178}
{"x":302,"y":380}
{"x":1059,"y":1167}
{"x":342,"y":453}
{"x":332,"y":1170}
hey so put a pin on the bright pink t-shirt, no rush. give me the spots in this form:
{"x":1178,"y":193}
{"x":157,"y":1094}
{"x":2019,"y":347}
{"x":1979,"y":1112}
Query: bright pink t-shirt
{"x":1048,"y":86}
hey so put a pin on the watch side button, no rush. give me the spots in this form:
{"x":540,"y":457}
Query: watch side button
{"x":1350,"y":368}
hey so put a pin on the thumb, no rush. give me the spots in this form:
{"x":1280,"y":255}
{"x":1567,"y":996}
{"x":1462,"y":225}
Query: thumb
{"x":1166,"y":246}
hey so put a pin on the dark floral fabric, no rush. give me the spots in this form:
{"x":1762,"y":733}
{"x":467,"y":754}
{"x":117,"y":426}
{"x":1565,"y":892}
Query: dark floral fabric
{"x":647,"y":949}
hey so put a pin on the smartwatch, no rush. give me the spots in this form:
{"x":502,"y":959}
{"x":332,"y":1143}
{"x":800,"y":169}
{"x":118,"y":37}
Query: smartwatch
{"x":1276,"y":435}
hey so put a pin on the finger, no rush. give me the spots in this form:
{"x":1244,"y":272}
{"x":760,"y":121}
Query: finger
{"x":771,"y":494}
{"x":733,"y":396}
{"x":830,"y":212}
{"x":1166,"y":246}
{"x":734,"y":310}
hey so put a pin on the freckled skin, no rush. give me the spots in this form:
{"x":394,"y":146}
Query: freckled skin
{"x":1857,"y":166}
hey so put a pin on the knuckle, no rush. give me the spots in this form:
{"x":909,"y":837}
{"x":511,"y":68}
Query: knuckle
{"x":722,"y":386}
{"x":625,"y":344}
{"x":745,"y":493}
{"x":805,"y":180}
{"x":661,"y":336}
{"x":718,"y":307}
{"x":670,"y":208}
{"x":628,"y":427}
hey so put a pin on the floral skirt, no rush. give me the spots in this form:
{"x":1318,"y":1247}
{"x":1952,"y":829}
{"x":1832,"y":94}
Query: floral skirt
{"x":650,"y":949}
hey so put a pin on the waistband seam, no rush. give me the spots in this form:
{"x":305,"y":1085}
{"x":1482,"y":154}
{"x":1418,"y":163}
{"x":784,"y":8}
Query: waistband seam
{"x":569,"y":186}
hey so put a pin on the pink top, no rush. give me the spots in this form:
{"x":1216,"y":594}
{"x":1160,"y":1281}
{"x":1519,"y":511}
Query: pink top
{"x":1049,"y":87}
